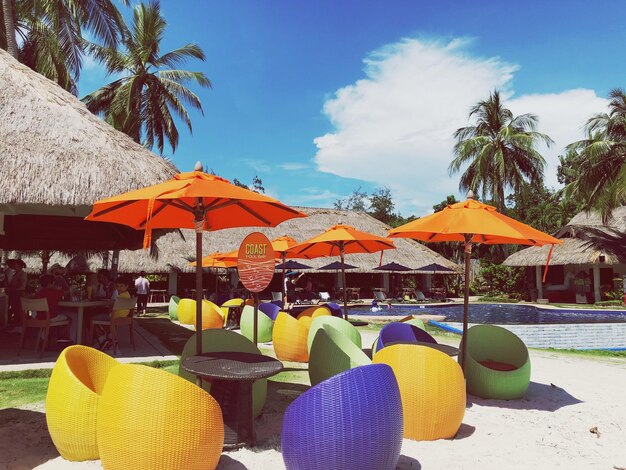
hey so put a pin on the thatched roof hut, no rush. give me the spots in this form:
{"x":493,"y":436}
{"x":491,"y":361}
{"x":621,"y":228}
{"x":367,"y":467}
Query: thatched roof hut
{"x":578,"y":246}
{"x":57,"y":157}
{"x":175,"y":252}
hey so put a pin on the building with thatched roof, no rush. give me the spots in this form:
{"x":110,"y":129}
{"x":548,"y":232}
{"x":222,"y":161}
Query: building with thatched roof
{"x":590,"y":260}
{"x":58,"y":158}
{"x":175,"y":251}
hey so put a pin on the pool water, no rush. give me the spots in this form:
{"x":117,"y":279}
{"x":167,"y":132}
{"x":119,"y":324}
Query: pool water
{"x":507,"y":314}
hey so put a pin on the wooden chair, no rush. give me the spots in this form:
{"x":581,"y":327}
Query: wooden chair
{"x":44,"y":324}
{"x":113,"y":323}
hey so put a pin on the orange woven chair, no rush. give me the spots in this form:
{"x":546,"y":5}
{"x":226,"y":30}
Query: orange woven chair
{"x":211,"y":316}
{"x":151,"y":419}
{"x":72,"y":401}
{"x":290,"y":338}
{"x":432,"y":389}
{"x":315,"y":312}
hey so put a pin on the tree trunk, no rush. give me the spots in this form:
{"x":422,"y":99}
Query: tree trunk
{"x":9,"y":27}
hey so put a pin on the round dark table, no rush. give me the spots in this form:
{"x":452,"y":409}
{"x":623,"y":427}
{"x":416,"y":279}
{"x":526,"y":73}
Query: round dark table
{"x":231,"y":375}
{"x":444,"y":348}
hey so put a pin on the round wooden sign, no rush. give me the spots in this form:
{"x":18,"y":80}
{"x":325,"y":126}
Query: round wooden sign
{"x":255,"y":262}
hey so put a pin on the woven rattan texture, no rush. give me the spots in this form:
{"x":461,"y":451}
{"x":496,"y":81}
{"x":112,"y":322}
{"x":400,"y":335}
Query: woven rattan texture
{"x":151,"y":419}
{"x":223,"y":340}
{"x":394,"y":332}
{"x":172,"y":307}
{"x":314,"y":312}
{"x":230,"y":365}
{"x":72,"y":401}
{"x":265,"y":325}
{"x":494,"y":343}
{"x":352,"y":421}
{"x":340,"y":324}
{"x":290,"y":338}
{"x":332,"y":352}
{"x":432,"y":388}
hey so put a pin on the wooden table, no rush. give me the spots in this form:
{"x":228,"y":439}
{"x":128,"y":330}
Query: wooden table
{"x":232,"y":375}
{"x":80,"y":306}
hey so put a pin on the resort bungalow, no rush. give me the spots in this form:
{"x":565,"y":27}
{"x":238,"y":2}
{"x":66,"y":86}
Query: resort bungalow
{"x":173,"y":252}
{"x":588,"y":267}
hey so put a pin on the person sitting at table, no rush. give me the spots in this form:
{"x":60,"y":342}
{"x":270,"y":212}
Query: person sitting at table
{"x":121,"y":290}
{"x":59,"y":282}
{"x":104,"y":287}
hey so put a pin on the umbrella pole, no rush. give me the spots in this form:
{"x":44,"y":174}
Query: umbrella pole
{"x":282,"y":286}
{"x":343,"y":282}
{"x":216,"y":286}
{"x":199,"y":226}
{"x":468,"y":255}
{"x":256,"y":318}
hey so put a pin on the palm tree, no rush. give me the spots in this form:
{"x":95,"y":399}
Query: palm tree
{"x":599,"y":181}
{"x":51,"y":33}
{"x":499,"y":150}
{"x":141,"y":103}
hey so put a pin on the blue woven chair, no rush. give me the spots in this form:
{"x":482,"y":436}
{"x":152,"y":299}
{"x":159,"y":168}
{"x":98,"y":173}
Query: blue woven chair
{"x":401,"y":332}
{"x":335,"y":309}
{"x":352,"y":421}
{"x":270,"y":309}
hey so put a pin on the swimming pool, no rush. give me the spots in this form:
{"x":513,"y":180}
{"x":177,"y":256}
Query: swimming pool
{"x":503,"y":314}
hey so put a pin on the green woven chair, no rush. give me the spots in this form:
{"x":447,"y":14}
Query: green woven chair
{"x":497,"y":364}
{"x":225,"y":340}
{"x":332,"y":352}
{"x":265,"y":325}
{"x":340,"y":324}
{"x":416,"y":322}
{"x":173,"y":307}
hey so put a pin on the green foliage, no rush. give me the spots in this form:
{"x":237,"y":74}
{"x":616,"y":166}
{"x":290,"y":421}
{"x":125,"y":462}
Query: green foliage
{"x":598,"y":163}
{"x":356,"y":201}
{"x":610,"y":303}
{"x":151,"y":93}
{"x":450,"y":199}
{"x":379,"y":204}
{"x":499,"y":151}
{"x":256,"y":186}
{"x":495,"y":280}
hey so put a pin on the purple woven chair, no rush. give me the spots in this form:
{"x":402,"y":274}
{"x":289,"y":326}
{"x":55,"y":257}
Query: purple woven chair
{"x":270,"y":309}
{"x":335,"y":309}
{"x":352,"y":421}
{"x":402,"y":332}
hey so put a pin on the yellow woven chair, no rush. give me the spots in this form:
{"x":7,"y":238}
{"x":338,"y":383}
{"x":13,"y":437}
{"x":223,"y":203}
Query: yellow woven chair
{"x":72,"y":401}
{"x":432,"y":389}
{"x":187,"y":311}
{"x":314,"y":312}
{"x":290,"y":338}
{"x":151,"y":419}
{"x":211,"y":316}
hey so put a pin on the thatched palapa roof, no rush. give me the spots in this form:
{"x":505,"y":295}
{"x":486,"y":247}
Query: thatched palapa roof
{"x":176,"y":252}
{"x":578,"y":246}
{"x":57,"y":157}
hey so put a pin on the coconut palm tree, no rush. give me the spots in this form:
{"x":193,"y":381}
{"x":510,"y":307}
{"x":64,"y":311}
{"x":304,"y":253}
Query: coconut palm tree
{"x":143,"y":102}
{"x":499,"y":151}
{"x":599,"y":181}
{"x":51,"y":33}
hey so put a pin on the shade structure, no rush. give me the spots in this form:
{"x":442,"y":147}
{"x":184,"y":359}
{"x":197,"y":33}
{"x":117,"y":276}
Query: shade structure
{"x":340,"y":240}
{"x":393,"y":267}
{"x":291,"y":264}
{"x":336,"y":265}
{"x":436,"y":268}
{"x":214,"y":262}
{"x":193,"y":200}
{"x":472,"y":222}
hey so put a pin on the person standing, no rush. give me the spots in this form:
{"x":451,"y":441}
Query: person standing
{"x":143,"y":288}
{"x":16,"y":290}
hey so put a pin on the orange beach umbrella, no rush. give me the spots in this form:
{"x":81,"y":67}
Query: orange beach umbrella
{"x":193,"y":200}
{"x":472,"y":222}
{"x":340,"y":240}
{"x":280,"y":246}
{"x":213,"y":262}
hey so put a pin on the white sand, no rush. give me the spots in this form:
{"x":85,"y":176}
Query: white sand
{"x":549,"y":429}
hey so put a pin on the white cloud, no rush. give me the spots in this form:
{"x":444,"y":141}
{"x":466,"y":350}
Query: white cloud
{"x":315,"y":195}
{"x":395,"y":126}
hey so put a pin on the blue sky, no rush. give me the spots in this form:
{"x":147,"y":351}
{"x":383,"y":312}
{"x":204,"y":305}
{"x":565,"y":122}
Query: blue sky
{"x":318,"y":98}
